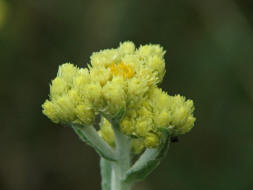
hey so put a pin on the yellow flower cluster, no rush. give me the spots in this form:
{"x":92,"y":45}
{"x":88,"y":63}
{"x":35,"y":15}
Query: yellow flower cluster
{"x":123,"y":78}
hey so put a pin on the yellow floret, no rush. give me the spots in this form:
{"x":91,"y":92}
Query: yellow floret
{"x":152,"y":140}
{"x":143,"y":126}
{"x":85,"y":114}
{"x":153,"y":58}
{"x":58,"y":88}
{"x":181,"y":114}
{"x":100,"y":75}
{"x":105,"y":58}
{"x":151,"y":50}
{"x":67,"y":108}
{"x":157,"y":65}
{"x":68,"y":72}
{"x":51,"y":111}
{"x":115,"y":96}
{"x":127,"y":48}
{"x":93,"y":93}
{"x":127,"y":126}
{"x":163,"y":119}
{"x":106,"y":132}
{"x":137,"y":88}
{"x":81,"y":79}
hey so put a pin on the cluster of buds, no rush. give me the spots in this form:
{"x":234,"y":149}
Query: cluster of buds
{"x":120,"y":87}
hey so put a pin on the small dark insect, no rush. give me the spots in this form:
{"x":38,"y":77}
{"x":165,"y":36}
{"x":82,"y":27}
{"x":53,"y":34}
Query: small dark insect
{"x":173,"y":139}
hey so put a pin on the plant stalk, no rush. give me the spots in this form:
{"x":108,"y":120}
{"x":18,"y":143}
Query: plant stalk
{"x":122,"y":164}
{"x":119,"y":167}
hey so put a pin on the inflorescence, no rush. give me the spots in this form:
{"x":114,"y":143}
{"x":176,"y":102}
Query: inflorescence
{"x":119,"y":79}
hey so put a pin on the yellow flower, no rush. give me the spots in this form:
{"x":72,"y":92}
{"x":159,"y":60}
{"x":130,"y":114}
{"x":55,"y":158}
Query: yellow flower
{"x":119,"y":79}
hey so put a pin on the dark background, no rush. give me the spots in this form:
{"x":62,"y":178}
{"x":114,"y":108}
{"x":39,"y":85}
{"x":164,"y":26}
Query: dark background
{"x":209,"y":59}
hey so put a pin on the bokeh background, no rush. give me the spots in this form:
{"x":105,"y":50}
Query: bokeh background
{"x":209,"y":59}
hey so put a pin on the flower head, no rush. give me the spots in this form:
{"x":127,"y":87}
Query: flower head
{"x":123,"y":78}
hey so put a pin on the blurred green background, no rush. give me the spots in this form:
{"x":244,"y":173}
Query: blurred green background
{"x":209,"y":59}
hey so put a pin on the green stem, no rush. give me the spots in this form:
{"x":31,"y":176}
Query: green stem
{"x":119,"y":174}
{"x":122,"y":164}
{"x":106,"y":173}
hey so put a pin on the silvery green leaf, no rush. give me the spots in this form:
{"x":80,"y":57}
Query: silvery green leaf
{"x":89,"y":135}
{"x":147,"y":162}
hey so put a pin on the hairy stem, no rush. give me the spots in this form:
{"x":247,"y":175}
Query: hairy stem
{"x":118,"y":167}
{"x":122,"y":164}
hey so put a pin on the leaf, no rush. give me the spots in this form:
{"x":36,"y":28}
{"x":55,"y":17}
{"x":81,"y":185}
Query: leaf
{"x":106,"y":173}
{"x":147,"y":162}
{"x":89,"y":135}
